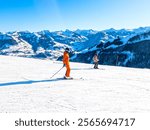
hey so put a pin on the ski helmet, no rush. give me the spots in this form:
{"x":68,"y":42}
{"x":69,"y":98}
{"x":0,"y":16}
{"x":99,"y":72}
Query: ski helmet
{"x":67,"y":49}
{"x":96,"y":53}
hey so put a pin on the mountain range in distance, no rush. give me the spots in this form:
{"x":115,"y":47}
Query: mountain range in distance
{"x":124,"y":47}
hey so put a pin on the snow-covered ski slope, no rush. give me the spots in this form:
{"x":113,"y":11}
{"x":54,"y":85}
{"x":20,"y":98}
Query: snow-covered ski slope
{"x":25,"y":86}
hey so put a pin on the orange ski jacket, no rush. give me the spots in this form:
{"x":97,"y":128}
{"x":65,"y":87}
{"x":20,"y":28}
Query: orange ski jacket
{"x":66,"y":58}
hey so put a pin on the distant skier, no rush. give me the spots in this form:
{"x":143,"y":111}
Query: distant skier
{"x":66,"y":63}
{"x":95,"y":60}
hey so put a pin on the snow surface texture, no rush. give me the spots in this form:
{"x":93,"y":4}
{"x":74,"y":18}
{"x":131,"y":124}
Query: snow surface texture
{"x":25,"y":86}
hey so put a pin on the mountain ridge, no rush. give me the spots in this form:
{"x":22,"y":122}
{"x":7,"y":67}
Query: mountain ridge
{"x":114,"y":46}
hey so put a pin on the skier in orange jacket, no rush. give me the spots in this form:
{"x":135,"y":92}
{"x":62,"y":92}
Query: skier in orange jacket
{"x":66,"y":63}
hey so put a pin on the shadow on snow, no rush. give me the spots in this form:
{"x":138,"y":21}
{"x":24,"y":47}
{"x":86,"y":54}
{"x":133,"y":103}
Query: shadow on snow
{"x":28,"y":82}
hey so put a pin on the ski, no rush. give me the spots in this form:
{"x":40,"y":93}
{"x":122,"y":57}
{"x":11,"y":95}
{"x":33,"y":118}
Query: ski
{"x":70,"y":78}
{"x":99,"y":68}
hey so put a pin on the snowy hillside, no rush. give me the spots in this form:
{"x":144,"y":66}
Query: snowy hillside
{"x":25,"y":86}
{"x":122,"y":47}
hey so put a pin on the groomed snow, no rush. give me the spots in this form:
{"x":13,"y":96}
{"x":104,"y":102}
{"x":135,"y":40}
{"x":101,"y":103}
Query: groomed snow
{"x":25,"y":86}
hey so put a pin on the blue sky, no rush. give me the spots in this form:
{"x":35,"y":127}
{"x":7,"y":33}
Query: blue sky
{"x":36,"y":15}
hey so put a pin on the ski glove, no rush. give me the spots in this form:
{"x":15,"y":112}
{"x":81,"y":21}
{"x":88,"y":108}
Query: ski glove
{"x":64,"y":65}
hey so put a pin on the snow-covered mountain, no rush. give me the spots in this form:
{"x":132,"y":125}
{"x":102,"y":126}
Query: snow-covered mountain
{"x":26,"y":87}
{"x":122,"y":47}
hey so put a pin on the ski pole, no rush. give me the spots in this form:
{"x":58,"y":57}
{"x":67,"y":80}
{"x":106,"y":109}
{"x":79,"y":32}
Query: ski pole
{"x":56,"y":72}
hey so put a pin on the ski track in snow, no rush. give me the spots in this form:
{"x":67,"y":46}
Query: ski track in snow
{"x":25,"y":86}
